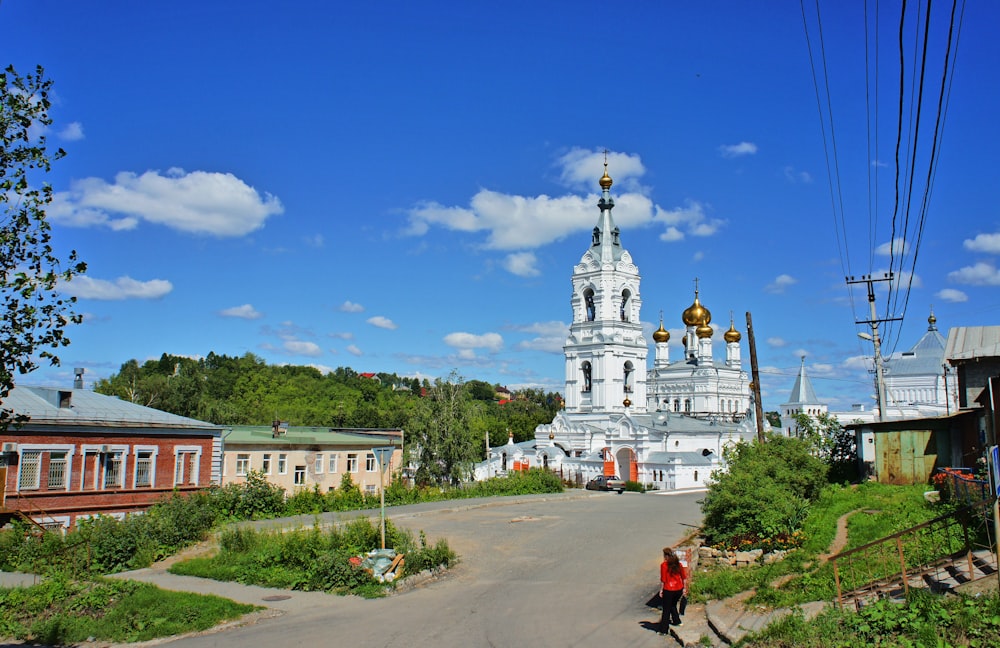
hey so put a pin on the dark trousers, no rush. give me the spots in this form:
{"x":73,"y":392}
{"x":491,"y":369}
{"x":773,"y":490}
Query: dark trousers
{"x":669,"y":614}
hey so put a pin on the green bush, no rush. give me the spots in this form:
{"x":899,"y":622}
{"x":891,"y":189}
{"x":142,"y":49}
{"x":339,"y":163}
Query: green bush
{"x":311,"y":559}
{"x":765,"y":490}
{"x":255,"y":499}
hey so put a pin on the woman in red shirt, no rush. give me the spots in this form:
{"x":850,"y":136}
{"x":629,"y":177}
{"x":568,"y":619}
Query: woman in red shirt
{"x":673,"y":577}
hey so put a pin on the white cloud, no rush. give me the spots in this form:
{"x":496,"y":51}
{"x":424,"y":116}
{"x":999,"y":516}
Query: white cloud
{"x":316,"y":240}
{"x":382,"y":322}
{"x":72,"y":132}
{"x":697,"y":256}
{"x":303,"y":348}
{"x":521,"y":264}
{"x":549,"y":336}
{"x":738,"y":150}
{"x":512,"y":222}
{"x":354,"y":350}
{"x":345,"y":335}
{"x":779,"y":284}
{"x":323,"y":369}
{"x":86,"y":287}
{"x":492,"y":342}
{"x":896,"y":247}
{"x":246,"y":311}
{"x":199,"y":202}
{"x":776,"y":342}
{"x":860,"y":362}
{"x":581,"y":168}
{"x":792,"y":175}
{"x":989,"y":243}
{"x":952,"y":295}
{"x":351,"y":307}
{"x":690,"y":218}
{"x":981,"y":274}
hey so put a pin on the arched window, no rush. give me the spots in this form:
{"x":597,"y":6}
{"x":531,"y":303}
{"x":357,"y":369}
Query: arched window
{"x":586,"y":376}
{"x":626,"y":305}
{"x":677,"y":404}
{"x":696,"y":475}
{"x":504,"y":464}
{"x":687,"y":405}
{"x":588,"y":300}
{"x":628,"y":372}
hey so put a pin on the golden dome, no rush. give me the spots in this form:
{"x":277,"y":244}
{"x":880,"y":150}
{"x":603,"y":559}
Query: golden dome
{"x":606,"y":180}
{"x":626,"y":402}
{"x":696,"y":314}
{"x":704,"y":331}
{"x":661,"y":334}
{"x":732,"y":335}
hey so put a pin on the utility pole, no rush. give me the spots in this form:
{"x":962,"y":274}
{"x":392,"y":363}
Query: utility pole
{"x":873,"y":323}
{"x":755,"y":380}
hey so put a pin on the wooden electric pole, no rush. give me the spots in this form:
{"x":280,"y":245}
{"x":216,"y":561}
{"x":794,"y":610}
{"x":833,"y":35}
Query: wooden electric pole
{"x":755,"y":380}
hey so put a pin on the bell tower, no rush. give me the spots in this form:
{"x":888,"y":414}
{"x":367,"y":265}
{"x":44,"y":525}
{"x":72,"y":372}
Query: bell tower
{"x":606,"y":351}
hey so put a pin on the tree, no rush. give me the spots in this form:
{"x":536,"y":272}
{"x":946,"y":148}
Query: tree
{"x":35,"y":314}
{"x":447,"y":444}
{"x":764,"y":491}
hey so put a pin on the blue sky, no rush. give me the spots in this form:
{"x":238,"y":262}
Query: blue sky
{"x":405,"y":187}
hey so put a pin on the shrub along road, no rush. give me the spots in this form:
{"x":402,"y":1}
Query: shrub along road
{"x":574,"y":569}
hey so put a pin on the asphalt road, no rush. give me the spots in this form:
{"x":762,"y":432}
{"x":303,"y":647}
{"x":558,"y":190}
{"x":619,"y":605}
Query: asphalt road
{"x":572,"y":570}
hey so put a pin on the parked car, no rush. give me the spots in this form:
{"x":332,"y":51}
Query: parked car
{"x":605,"y":483}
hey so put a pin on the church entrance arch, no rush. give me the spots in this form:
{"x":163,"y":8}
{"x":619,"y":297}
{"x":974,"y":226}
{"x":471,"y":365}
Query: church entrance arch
{"x":626,"y":465}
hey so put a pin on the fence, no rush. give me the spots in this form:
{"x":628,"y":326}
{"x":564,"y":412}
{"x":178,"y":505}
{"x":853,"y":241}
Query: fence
{"x":938,"y":554}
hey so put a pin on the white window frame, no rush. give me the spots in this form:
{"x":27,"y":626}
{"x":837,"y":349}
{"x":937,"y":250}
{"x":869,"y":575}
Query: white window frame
{"x":114,"y":454}
{"x":195,"y":462}
{"x":370,"y":463}
{"x":69,"y":449}
{"x":154,"y":451}
{"x":243,"y":458}
{"x":265,"y":463}
{"x":318,"y":463}
{"x":299,"y":475}
{"x":331,"y":466}
{"x":352,"y":462}
{"x":282,"y":463}
{"x":24,"y":480}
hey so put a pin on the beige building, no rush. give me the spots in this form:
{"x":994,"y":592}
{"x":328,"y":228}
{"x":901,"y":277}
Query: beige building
{"x":298,"y":458}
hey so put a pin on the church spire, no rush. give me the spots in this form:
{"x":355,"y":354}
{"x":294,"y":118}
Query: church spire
{"x":606,"y":233}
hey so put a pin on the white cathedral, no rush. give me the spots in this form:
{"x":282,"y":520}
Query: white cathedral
{"x":664,"y":427}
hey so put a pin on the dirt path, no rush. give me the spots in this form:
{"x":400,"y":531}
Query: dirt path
{"x":838,"y":544}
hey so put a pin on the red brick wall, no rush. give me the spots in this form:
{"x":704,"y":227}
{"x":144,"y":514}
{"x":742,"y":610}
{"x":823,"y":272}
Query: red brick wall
{"x":73,"y":502}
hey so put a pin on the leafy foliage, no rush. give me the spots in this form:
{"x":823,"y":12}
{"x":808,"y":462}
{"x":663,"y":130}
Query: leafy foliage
{"x":310,"y":559}
{"x":832,"y":443}
{"x":59,"y":612}
{"x":765,"y":490}
{"x":35,"y":314}
{"x":254,"y":499}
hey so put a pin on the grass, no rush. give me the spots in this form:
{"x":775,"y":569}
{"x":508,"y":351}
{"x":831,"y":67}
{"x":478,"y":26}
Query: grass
{"x":925,"y":619}
{"x":898,"y":507}
{"x":59,"y":611}
{"x":313,"y":559}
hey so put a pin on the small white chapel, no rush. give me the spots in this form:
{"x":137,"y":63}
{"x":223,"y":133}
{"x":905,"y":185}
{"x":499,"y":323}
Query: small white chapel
{"x":664,"y":426}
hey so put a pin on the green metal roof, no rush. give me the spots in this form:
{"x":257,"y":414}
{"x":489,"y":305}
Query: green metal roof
{"x":309,"y":436}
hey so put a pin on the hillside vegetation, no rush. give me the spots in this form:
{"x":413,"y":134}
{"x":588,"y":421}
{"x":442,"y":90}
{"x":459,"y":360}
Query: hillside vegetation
{"x":245,"y":390}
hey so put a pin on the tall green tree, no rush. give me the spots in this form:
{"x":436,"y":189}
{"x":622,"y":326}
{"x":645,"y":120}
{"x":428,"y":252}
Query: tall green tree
{"x":447,"y":444}
{"x":35,"y":314}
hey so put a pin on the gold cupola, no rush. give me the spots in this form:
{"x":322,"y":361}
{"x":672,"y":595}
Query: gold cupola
{"x":661,"y":334}
{"x":696,"y":314}
{"x":732,"y":335}
{"x":704,"y":331}
{"x":606,"y":180}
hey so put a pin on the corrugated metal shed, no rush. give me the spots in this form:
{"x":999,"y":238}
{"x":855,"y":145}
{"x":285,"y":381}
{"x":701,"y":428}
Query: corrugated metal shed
{"x":970,"y":342}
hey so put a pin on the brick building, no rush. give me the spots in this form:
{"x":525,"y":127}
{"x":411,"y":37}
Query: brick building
{"x":82,"y":454}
